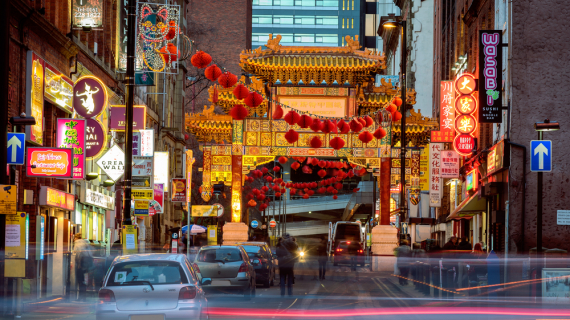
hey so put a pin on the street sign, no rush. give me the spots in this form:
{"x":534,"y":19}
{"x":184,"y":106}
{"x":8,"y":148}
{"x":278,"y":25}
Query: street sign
{"x":272,"y":223}
{"x":8,"y":199}
{"x":17,"y":146}
{"x":141,"y":208}
{"x":540,"y":155}
{"x":254,"y":224}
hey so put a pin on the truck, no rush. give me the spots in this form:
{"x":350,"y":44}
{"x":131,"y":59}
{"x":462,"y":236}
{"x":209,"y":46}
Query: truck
{"x":347,"y":239}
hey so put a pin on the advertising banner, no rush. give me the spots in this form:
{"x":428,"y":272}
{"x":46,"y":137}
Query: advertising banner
{"x":147,"y":142}
{"x":215,"y":210}
{"x":113,"y":163}
{"x":491,"y":76}
{"x":161,"y":168}
{"x":178,"y":190}
{"x":87,"y":14}
{"x":58,"y":88}
{"x":436,"y":182}
{"x":49,"y":162}
{"x":35,"y":97}
{"x":159,"y":196}
{"x":449,"y":164}
{"x":141,"y":208}
{"x":118,"y":114}
{"x":17,"y":235}
{"x":142,"y":194}
{"x":142,"y":166}
{"x":136,"y":144}
{"x":71,"y":134}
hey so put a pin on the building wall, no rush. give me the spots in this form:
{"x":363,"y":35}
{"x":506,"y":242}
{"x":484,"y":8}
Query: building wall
{"x":539,"y":82}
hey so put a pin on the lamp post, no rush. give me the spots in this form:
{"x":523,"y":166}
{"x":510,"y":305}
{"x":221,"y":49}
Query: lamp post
{"x":393,"y":23}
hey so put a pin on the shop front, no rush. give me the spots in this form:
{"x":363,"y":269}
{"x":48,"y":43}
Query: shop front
{"x":56,"y":208}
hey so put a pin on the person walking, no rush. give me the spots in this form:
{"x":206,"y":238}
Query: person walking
{"x":83,"y":264}
{"x":403,"y":254}
{"x":353,"y":248}
{"x":286,"y":251}
{"x":322,"y":257}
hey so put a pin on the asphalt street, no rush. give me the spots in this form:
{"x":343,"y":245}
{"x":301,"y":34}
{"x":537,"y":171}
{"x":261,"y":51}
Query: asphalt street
{"x":344,"y":295}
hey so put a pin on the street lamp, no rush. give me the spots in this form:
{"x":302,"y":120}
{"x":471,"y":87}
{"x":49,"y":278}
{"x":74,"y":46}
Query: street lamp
{"x":392,"y":22}
{"x":540,"y":127}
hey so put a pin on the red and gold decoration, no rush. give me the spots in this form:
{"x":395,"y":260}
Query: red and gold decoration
{"x":465,"y":110}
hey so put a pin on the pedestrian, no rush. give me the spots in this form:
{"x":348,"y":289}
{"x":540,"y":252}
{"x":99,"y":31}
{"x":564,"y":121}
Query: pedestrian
{"x":83,"y":264}
{"x":353,"y":248}
{"x":464,"y":244}
{"x":322,"y":257}
{"x":286,"y":255}
{"x":451,"y":244}
{"x":403,"y":254}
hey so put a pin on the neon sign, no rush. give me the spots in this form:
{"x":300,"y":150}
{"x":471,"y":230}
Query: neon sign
{"x":465,"y":120}
{"x":490,"y":75}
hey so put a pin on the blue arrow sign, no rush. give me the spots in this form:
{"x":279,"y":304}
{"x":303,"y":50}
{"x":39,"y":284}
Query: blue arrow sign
{"x":254,"y":224}
{"x":16,"y":148}
{"x":540,"y":155}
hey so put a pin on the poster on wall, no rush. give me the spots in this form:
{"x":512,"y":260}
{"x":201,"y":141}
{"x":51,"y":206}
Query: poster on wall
{"x":436,"y":182}
{"x":491,"y":76}
{"x":87,"y":14}
{"x":35,"y":97}
{"x":49,"y":162}
{"x":449,"y":164}
{"x":71,"y":134}
{"x":556,"y":285}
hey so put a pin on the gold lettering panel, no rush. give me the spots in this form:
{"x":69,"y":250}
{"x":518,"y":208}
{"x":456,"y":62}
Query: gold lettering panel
{"x":222,"y":160}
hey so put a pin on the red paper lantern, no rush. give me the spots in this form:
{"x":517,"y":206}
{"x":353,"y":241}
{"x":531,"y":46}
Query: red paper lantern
{"x":317,"y":125}
{"x":282,"y":160}
{"x":227,"y":79}
{"x":264,"y":189}
{"x":276,"y":169}
{"x":398,"y":101}
{"x":305,"y":196}
{"x":239,"y":112}
{"x":292,"y":136}
{"x":343,"y":127}
{"x":368,"y":121}
{"x":336,"y":143}
{"x":307,"y":170}
{"x":170,"y":53}
{"x":261,"y":197}
{"x":269,"y":179}
{"x":292,"y":117}
{"x":305,"y":121}
{"x":186,"y":136}
{"x":379,"y":133}
{"x":335,"y":197}
{"x":173,"y":27}
{"x":295,"y":165}
{"x":355,"y":126}
{"x":278,"y":113}
{"x":311,"y":192}
{"x":338,"y":186}
{"x":391,"y":108}
{"x":356,"y":190}
{"x":253,"y":100}
{"x":249,"y":196}
{"x":329,"y":127}
{"x":362,"y":121}
{"x":330,"y":189}
{"x":278,"y":194}
{"x":316,"y":142}
{"x":201,"y":59}
{"x":350,"y":174}
{"x":212,"y":72}
{"x":365,"y":136}
{"x":396,"y":116}
{"x":264,"y":170}
{"x":322,"y":173}
{"x":322,"y":163}
{"x":240,"y":91}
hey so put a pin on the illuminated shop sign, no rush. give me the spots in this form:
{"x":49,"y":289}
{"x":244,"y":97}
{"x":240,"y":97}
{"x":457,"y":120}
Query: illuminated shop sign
{"x":118,"y":116}
{"x":56,"y":198}
{"x":58,"y":88}
{"x":446,"y":131}
{"x":87,"y":14}
{"x":490,"y":75}
{"x":89,"y":96}
{"x":35,"y":96}
{"x":71,"y":134}
{"x":465,"y":114}
{"x":49,"y":162}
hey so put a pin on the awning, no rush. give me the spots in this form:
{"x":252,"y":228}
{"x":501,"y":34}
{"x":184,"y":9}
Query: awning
{"x":468,"y":207}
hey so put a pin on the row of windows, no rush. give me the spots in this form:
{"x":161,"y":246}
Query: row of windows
{"x":303,"y":38}
{"x":309,"y":20}
{"x":301,"y":3}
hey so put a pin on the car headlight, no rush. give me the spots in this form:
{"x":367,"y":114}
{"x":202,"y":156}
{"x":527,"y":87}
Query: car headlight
{"x":302,"y":253}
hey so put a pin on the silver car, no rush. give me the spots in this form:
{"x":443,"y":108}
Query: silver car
{"x":225,"y":268}
{"x":151,"y":287}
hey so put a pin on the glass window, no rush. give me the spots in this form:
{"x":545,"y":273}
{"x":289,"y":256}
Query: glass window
{"x":332,"y":20}
{"x":284,"y":2}
{"x":318,"y":21}
{"x":330,"y":3}
{"x":327,"y":38}
{"x":283,"y":19}
{"x":263,"y":2}
{"x":287,"y":37}
{"x":219,"y":255}
{"x":308,"y":3}
{"x":260,"y":37}
{"x":254,"y":38}
{"x":304,"y":20}
{"x":305,"y":38}
{"x":143,"y":272}
{"x":263,"y":19}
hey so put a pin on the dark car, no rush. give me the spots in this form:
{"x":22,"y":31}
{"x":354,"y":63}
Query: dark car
{"x":347,"y":249}
{"x":262,"y":259}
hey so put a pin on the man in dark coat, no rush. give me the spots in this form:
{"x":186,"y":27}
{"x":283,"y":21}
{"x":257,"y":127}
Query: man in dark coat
{"x":451,"y":244}
{"x":286,"y":255}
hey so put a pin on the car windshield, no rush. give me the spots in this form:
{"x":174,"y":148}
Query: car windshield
{"x":219,"y":255}
{"x":154,"y":272}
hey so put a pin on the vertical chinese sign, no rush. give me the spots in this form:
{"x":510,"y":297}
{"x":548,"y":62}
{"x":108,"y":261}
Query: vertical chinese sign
{"x":446,"y":131}
{"x":490,"y":75}
{"x":35,"y":96}
{"x":415,"y":177}
{"x":465,"y":119}
{"x":436,"y":183}
{"x":424,"y":169}
{"x":71,"y":134}
{"x":449,"y":164}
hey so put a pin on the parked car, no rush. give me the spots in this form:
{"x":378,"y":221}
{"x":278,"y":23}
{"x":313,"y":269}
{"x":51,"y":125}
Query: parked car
{"x":347,"y":249}
{"x":145,"y":285}
{"x":226,"y":267}
{"x":263,"y":261}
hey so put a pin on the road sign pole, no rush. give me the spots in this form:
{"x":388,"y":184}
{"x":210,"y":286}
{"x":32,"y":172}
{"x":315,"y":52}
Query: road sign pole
{"x":539,"y":227}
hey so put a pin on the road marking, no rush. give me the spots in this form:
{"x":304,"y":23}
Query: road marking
{"x":379,"y":283}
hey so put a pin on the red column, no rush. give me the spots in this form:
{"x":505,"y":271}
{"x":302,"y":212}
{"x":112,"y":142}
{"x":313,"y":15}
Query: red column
{"x":385,"y":191}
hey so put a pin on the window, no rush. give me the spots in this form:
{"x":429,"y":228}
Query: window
{"x":318,"y":21}
{"x":332,"y":20}
{"x":143,"y":272}
{"x":304,"y":20}
{"x":262,"y":2}
{"x":326,"y":38}
{"x":260,"y":37}
{"x":284,"y":2}
{"x":287,"y":37}
{"x":305,"y":3}
{"x":305,"y":38}
{"x":283,"y":19}
{"x":219,"y":255}
{"x":262,"y":19}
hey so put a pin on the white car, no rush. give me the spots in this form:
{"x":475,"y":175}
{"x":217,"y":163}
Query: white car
{"x":151,"y":287}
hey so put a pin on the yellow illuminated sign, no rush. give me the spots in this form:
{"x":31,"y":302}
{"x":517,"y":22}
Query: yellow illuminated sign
{"x":142,"y":194}
{"x":322,"y":106}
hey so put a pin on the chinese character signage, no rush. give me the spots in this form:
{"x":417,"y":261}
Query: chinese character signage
{"x":71,"y":134}
{"x":58,"y":88}
{"x":118,"y":115}
{"x":123,"y":28}
{"x":449,"y":164}
{"x":465,"y":114}
{"x":178,"y":190}
{"x":136,"y":144}
{"x":35,"y":97}
{"x":446,"y":131}
{"x":87,"y":14}
{"x":424,"y":169}
{"x":498,"y":158}
{"x":49,"y":162}
{"x":436,"y":182}
{"x":147,"y":142}
{"x":490,"y":75}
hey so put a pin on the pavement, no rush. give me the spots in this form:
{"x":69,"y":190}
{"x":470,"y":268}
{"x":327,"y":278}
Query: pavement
{"x":343,"y":294}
